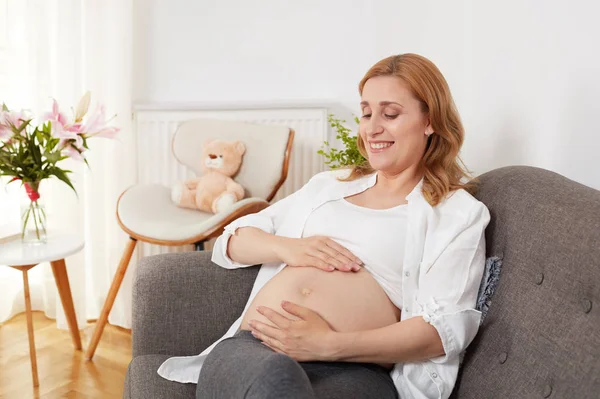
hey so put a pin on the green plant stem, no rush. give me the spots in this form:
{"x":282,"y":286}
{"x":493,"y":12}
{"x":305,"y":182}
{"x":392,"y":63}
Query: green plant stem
{"x":25,"y":223}
{"x":37,"y":229}
{"x":43,"y":221}
{"x":39,"y":212}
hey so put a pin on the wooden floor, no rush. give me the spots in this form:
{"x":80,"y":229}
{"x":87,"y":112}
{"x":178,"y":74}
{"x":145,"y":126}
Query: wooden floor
{"x":63,"y":371}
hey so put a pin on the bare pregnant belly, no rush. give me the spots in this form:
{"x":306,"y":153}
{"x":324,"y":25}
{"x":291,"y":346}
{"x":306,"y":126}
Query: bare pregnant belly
{"x":348,"y":301}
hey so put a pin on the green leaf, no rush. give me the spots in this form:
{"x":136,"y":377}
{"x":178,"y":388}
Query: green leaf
{"x":23,"y":126}
{"x":53,"y":157}
{"x":52,"y":144}
{"x":34,"y":150}
{"x":62,"y":175}
{"x":4,"y":107}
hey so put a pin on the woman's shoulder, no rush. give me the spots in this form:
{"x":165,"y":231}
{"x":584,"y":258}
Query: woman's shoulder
{"x":462,"y":202}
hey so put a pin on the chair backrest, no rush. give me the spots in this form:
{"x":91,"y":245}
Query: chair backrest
{"x":266,"y":160}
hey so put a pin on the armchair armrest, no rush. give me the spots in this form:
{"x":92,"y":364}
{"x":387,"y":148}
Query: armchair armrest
{"x":182,"y":302}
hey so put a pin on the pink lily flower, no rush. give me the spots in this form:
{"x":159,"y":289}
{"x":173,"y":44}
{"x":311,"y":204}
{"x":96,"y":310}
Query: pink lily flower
{"x":108,"y":132}
{"x":82,"y":107}
{"x":10,"y":120}
{"x":75,"y":128}
{"x":55,"y":116}
{"x":73,"y":148}
{"x":14,"y":118}
{"x":96,"y":125}
{"x":59,"y":131}
{"x":5,"y":131}
{"x":72,"y":153}
{"x":60,"y":124}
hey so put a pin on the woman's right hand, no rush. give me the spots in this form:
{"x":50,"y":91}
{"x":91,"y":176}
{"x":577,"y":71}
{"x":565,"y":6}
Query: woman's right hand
{"x":320,"y":252}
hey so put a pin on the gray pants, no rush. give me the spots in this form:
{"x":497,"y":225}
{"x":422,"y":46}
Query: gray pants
{"x":242,"y":367}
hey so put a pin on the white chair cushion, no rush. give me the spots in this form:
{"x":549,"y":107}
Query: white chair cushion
{"x":147,"y":210}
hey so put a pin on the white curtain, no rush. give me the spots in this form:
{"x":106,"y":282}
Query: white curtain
{"x":60,"y":49}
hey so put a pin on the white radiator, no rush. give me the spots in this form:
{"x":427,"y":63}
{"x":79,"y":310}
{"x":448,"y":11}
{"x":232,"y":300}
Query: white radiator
{"x":156,"y":124}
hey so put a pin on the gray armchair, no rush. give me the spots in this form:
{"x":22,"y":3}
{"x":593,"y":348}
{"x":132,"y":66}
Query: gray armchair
{"x":182,"y":303}
{"x":541,"y":337}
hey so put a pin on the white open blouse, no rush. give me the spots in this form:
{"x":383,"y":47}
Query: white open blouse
{"x":443,"y":264}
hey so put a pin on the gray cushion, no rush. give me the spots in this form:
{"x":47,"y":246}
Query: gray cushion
{"x":182,"y":302}
{"x":143,"y":381}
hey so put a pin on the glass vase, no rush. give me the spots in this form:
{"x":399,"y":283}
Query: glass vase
{"x":33,"y":215}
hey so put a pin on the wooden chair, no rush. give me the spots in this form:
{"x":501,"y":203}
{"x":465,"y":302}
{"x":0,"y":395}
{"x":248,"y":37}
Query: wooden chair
{"x":147,"y":214}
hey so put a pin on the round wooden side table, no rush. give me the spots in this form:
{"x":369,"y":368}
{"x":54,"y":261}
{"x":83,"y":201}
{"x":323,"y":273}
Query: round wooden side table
{"x":23,"y":257}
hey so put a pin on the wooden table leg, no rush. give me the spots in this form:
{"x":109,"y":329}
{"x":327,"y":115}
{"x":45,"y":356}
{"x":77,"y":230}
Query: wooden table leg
{"x":64,"y":290}
{"x":32,"y":355}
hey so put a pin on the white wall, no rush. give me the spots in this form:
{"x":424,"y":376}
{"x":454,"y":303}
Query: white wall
{"x":525,"y":74}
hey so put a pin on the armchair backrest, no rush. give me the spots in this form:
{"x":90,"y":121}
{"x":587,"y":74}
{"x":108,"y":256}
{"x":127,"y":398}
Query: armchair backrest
{"x":541,"y":334}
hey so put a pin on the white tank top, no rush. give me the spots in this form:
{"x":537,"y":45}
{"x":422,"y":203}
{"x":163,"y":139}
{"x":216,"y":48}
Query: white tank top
{"x":376,"y":236}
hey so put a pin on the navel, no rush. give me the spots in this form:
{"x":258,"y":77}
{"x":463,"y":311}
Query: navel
{"x":306,"y":291}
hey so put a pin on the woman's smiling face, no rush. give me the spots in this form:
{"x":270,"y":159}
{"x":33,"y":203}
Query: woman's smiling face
{"x":393,"y":125}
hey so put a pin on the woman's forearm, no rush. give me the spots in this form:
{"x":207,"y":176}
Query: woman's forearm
{"x":252,"y":246}
{"x":410,"y":340}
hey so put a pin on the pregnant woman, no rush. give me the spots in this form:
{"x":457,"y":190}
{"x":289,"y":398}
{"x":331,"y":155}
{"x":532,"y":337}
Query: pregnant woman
{"x":370,"y":274}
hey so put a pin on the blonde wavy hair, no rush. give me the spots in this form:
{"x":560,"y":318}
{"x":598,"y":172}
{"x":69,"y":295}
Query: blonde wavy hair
{"x":444,"y":169}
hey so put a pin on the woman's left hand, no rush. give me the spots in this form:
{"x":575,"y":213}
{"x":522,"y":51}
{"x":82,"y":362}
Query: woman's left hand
{"x":308,"y":339}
